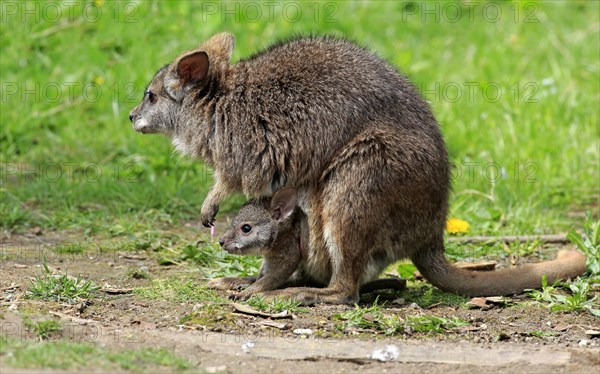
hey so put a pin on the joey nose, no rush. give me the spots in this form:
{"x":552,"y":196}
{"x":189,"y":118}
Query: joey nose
{"x":221,"y":242}
{"x":131,"y":117}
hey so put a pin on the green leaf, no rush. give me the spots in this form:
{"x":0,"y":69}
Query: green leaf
{"x":406,"y":271}
{"x":596,"y":234}
{"x":576,"y":239}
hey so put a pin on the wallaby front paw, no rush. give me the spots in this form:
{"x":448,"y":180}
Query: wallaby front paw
{"x":207,"y":214}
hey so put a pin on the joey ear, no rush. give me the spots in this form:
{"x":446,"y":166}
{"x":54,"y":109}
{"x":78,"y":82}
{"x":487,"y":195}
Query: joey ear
{"x":193,"y":68}
{"x":283,"y":203}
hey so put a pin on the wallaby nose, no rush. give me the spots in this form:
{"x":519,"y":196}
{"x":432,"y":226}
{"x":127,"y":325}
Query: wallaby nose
{"x":221,"y":242}
{"x":131,"y":117}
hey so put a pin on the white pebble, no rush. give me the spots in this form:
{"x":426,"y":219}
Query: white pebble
{"x":302,"y":331}
{"x":247,"y":347}
{"x":389,"y":353}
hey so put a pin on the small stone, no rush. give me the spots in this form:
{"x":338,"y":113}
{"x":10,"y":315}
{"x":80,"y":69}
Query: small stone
{"x":389,"y":353}
{"x":479,"y":302}
{"x":215,"y":369}
{"x":197,"y":307}
{"x":302,"y":331}
{"x":368,"y":317}
{"x":247,"y":347}
{"x":583,"y":342}
{"x":414,"y":306}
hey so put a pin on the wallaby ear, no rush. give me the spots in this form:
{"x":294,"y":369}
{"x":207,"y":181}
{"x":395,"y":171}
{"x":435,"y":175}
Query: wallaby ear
{"x":219,"y":46}
{"x":193,"y":68}
{"x":283,"y":203}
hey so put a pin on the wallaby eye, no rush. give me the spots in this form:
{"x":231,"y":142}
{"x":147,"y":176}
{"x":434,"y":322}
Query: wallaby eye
{"x":246,"y":228}
{"x":151,"y":96}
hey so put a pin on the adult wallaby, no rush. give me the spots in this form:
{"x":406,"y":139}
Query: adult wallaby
{"x":274,"y":228}
{"x":352,"y":134}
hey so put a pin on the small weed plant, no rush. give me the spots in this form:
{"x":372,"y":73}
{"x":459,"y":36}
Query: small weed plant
{"x":60,"y":287}
{"x":43,"y":329}
{"x":567,"y":296}
{"x":277,"y":305}
{"x":576,"y":295}
{"x":374,"y":318}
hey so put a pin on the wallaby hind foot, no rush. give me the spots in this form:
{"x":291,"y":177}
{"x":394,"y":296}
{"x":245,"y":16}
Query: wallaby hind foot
{"x":310,"y":296}
{"x":396,"y":284}
{"x":231,"y":283}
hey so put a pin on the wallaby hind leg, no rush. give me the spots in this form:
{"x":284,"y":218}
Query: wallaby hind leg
{"x":346,"y":240}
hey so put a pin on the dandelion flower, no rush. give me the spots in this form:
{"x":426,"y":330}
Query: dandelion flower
{"x":457,"y":226}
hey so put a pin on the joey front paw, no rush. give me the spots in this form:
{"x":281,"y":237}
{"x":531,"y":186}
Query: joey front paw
{"x":207,"y":214}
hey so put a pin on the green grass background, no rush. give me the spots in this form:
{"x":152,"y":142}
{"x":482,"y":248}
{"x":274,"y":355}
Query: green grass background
{"x":70,"y":158}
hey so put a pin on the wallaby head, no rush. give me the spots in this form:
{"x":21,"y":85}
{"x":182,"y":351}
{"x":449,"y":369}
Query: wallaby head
{"x":165,"y":105}
{"x":256,"y":224}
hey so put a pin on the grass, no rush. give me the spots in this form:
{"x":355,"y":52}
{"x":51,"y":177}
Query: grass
{"x":540,"y":334}
{"x":590,"y":244}
{"x":178,"y":290}
{"x":72,"y":356}
{"x":137,"y":273}
{"x":60,"y":287}
{"x":210,"y":316}
{"x":571,"y":296}
{"x":43,"y":329}
{"x":372,"y":318}
{"x":71,"y":248}
{"x":274,"y":306}
{"x":212,"y":260}
{"x":432,"y":324}
{"x":375,"y":319}
{"x":425,"y":295}
{"x":523,"y":158}
{"x":526,"y":163}
{"x":576,"y":295}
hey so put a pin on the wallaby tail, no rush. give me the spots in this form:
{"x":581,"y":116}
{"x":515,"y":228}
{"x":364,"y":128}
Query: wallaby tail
{"x":441,"y":273}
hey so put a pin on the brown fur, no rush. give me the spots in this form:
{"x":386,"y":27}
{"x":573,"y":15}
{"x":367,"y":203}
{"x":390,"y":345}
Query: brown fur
{"x":346,"y":129}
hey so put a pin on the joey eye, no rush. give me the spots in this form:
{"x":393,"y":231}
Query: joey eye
{"x":246,"y":228}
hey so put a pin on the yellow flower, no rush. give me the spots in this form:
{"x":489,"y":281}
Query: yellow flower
{"x":457,"y":226}
{"x":99,"y":81}
{"x":99,"y":2}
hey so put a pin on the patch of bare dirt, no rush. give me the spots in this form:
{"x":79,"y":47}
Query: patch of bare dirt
{"x":513,"y":336}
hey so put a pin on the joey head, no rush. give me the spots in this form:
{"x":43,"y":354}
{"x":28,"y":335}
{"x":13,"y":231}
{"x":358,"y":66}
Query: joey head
{"x":268,"y":227}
